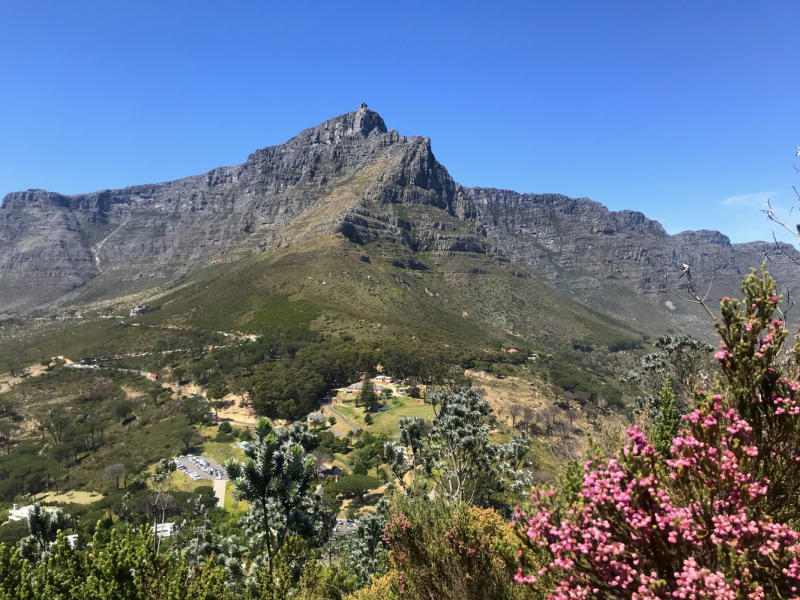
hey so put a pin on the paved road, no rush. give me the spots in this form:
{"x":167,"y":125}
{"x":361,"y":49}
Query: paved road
{"x":219,"y":491}
{"x":339,"y":415}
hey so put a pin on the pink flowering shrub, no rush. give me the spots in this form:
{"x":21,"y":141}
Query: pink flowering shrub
{"x":717,"y":519}
{"x":763,"y":389}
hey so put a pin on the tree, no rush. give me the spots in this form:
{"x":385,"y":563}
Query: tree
{"x":114,"y":473}
{"x":668,"y":421}
{"x":7,"y":430}
{"x":414,"y":392}
{"x":178,"y":373}
{"x":356,"y":485}
{"x":56,"y":424}
{"x":528,"y":418}
{"x":122,"y":409}
{"x":331,"y":420}
{"x":683,"y":359}
{"x":460,"y":442}
{"x":571,"y":415}
{"x":43,"y":526}
{"x":550,"y":415}
{"x":187,"y":436}
{"x":154,"y":392}
{"x":395,"y":457}
{"x":320,"y":458}
{"x":196,"y":410}
{"x":369,"y":398}
{"x":366,"y":550}
{"x":157,"y":499}
{"x":276,"y":480}
{"x":514,"y":411}
{"x":368,"y":420}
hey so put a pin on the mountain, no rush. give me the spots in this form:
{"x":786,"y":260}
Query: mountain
{"x":353,"y":180}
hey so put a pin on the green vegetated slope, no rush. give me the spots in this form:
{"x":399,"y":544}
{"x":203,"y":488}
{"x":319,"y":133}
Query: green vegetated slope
{"x":333,"y":286}
{"x":66,"y":425}
{"x":90,"y":337}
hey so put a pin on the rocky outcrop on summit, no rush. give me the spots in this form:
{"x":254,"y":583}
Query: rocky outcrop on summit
{"x":353,"y":177}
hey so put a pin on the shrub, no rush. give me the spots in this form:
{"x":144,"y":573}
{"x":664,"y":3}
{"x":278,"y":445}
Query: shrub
{"x":446,"y":551}
{"x":716,"y":518}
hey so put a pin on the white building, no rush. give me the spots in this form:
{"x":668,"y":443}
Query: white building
{"x":140,"y":309}
{"x":166,"y":529}
{"x":23,"y":512}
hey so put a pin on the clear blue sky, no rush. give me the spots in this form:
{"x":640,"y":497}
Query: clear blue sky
{"x":686,"y":111}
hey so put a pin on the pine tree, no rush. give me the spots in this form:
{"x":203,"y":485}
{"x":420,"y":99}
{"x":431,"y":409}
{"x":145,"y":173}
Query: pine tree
{"x":368,"y":397}
{"x":668,"y":421}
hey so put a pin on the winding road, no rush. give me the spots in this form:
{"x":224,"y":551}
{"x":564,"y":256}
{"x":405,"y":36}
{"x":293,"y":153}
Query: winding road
{"x":339,"y":415}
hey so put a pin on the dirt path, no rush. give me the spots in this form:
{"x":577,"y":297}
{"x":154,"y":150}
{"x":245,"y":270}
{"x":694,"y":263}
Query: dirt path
{"x":237,"y":411}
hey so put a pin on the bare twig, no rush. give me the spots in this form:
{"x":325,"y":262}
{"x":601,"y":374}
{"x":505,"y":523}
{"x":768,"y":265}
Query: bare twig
{"x":690,"y":287}
{"x":782,"y":250}
{"x":770,"y":212}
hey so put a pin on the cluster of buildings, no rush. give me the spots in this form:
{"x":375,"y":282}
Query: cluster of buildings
{"x":380,"y":382}
{"x":23,"y":513}
{"x":140,"y":309}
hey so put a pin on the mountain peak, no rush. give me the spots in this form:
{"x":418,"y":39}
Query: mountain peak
{"x":358,"y":124}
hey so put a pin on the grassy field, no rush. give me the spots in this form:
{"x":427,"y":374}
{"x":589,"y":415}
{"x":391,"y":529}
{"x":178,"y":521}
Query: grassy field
{"x":220,"y":452}
{"x":386,"y":421}
{"x":232,"y":505}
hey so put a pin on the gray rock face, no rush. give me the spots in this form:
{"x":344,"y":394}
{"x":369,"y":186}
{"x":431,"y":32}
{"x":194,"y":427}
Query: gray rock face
{"x":349,"y":176}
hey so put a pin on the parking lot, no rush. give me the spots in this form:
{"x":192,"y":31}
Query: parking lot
{"x":200,"y":467}
{"x":344,"y":527}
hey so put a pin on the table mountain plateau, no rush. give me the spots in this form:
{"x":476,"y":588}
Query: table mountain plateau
{"x":353,"y":179}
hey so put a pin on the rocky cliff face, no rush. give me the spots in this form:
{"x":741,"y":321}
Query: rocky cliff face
{"x":352,"y":177}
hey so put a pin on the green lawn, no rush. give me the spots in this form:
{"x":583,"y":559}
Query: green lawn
{"x":386,"y":422}
{"x":183,"y":483}
{"x":232,"y":505}
{"x":220,"y":452}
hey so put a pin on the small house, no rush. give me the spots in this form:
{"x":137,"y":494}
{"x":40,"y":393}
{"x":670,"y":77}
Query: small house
{"x":316,"y":418}
{"x":382,"y":379}
{"x":355,"y":388}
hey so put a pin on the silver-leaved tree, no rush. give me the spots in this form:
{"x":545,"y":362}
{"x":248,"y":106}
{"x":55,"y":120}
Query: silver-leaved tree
{"x":276,"y":480}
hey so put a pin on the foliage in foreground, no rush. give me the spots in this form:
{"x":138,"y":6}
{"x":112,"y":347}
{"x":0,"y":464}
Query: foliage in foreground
{"x":444,"y":551}
{"x":718,"y":518}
